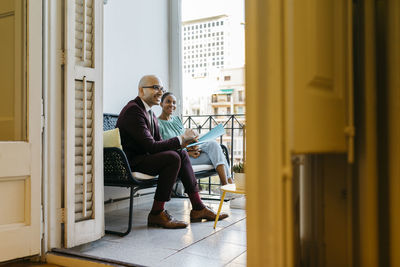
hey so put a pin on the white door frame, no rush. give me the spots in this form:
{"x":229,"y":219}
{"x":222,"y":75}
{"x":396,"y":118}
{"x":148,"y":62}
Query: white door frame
{"x":52,"y":133}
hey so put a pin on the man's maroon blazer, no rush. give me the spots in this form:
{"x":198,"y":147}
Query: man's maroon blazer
{"x":136,"y":138}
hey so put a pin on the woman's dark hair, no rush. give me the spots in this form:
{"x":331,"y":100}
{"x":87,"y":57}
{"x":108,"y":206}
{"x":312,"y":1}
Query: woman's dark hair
{"x":165,"y":95}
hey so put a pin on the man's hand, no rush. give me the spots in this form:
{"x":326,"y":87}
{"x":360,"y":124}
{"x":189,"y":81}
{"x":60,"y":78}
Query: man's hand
{"x":189,"y":135}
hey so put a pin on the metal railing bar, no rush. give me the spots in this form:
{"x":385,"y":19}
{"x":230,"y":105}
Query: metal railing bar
{"x":214,"y":115}
{"x":230,"y":122}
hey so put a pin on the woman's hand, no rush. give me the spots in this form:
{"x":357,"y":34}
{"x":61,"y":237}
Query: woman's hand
{"x":194,"y":153}
{"x":193,"y":148}
{"x":188,"y":142}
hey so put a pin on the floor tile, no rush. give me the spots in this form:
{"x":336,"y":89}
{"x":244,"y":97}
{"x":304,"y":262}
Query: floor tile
{"x":234,"y":265}
{"x":142,"y":255}
{"x":189,"y":260}
{"x":240,"y":259}
{"x":197,"y":245}
{"x":232,"y":236}
{"x":214,"y":249}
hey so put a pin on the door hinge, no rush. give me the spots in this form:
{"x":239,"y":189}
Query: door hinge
{"x":42,"y":122}
{"x":61,"y":215}
{"x":62,"y":57}
{"x":41,"y":221}
{"x":287,"y":173}
{"x":350,"y":132}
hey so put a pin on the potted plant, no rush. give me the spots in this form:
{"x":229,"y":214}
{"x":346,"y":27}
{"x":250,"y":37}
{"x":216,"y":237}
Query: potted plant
{"x":239,"y":176}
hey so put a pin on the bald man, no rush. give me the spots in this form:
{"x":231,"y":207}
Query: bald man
{"x":148,"y":153}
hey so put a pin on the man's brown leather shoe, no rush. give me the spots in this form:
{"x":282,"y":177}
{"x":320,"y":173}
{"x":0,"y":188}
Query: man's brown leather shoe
{"x":206,"y":213}
{"x":165,"y":220}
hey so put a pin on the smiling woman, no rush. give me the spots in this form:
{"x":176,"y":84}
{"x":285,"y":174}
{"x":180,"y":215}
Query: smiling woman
{"x":208,"y":153}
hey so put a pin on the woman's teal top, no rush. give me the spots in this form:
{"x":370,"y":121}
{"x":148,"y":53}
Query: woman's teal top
{"x":170,"y":128}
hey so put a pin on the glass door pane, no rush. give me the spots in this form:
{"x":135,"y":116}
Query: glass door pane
{"x":13,"y":91}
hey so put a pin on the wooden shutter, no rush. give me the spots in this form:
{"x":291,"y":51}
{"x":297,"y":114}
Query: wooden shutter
{"x":319,"y":76}
{"x":84,"y":210}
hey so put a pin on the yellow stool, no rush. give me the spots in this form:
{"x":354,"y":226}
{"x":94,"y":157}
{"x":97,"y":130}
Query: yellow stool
{"x":226,"y":188}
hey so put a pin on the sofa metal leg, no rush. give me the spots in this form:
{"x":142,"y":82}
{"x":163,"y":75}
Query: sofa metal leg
{"x":130,"y":218}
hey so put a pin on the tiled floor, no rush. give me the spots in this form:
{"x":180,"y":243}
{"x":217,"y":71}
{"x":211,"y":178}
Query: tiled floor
{"x":197,"y":245}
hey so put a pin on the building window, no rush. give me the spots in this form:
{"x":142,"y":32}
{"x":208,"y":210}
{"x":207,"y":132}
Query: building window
{"x":227,"y":78}
{"x":240,"y":96}
{"x":215,"y":110}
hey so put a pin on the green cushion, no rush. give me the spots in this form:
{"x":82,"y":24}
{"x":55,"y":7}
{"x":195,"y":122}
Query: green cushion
{"x":111,"y":138}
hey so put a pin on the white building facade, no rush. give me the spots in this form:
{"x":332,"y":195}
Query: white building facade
{"x":206,"y":45}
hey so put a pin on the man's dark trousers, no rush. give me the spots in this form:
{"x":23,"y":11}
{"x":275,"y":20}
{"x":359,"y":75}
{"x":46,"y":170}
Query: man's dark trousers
{"x":148,"y":153}
{"x":169,"y":165}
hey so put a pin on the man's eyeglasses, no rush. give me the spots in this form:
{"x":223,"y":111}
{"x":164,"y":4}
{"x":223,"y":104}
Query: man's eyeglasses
{"x":156,"y":87}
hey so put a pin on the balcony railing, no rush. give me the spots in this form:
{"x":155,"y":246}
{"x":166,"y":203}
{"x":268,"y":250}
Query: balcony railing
{"x":233,"y":138}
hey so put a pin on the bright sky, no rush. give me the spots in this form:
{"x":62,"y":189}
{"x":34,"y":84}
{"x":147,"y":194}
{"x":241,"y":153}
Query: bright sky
{"x":194,"y":9}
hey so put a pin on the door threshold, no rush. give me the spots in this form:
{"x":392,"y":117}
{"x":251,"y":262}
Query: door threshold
{"x":66,"y":257}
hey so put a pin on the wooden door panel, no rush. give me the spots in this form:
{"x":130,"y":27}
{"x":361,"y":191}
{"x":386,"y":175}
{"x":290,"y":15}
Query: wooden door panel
{"x":319,"y":76}
{"x":20,"y":113}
